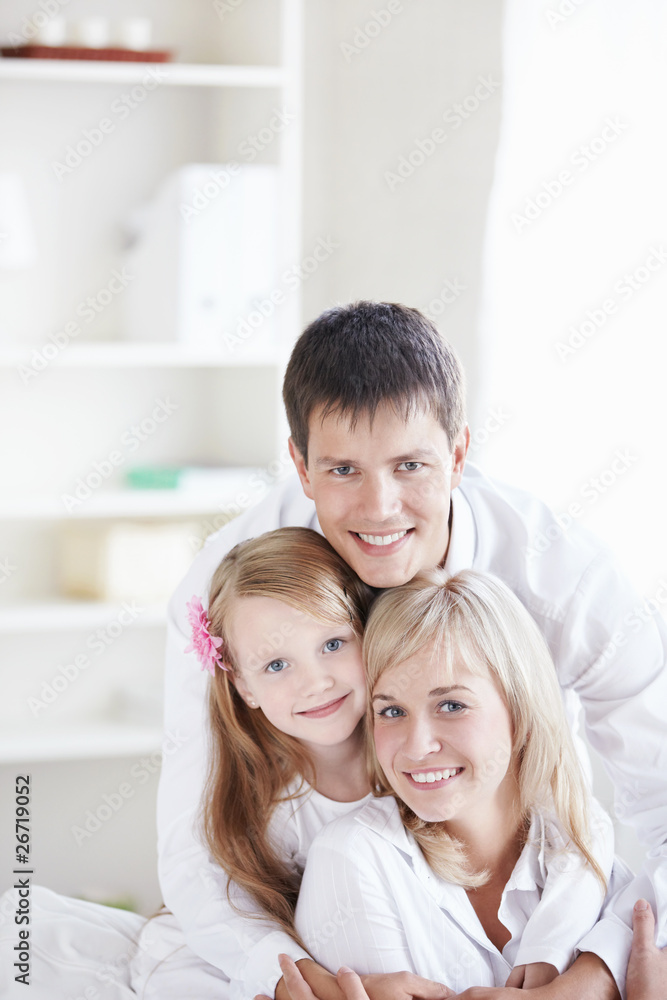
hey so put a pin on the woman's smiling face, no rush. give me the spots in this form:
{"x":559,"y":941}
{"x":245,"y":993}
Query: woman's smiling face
{"x":444,"y":741}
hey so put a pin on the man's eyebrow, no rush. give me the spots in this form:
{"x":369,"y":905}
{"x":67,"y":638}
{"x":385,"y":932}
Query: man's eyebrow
{"x":435,"y":693}
{"x":327,"y":461}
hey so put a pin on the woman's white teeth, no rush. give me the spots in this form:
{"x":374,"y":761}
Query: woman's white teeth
{"x":382,"y":539}
{"x":427,"y":777}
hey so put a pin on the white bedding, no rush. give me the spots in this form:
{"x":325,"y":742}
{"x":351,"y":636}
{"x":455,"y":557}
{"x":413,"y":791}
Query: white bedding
{"x":78,"y":950}
{"x":83,"y":951}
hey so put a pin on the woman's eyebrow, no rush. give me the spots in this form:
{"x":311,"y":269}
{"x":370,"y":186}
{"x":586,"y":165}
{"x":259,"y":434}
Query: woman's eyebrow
{"x":435,"y":693}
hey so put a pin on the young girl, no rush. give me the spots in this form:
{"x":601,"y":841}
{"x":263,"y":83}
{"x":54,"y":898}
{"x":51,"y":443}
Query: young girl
{"x":475,"y":864}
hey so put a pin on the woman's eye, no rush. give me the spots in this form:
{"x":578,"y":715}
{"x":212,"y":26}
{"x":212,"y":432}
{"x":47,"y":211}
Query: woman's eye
{"x":391,"y":712}
{"x":450,"y":707}
{"x":276,"y":666}
{"x":333,"y":645}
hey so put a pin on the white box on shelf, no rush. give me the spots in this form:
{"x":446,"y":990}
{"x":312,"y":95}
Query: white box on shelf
{"x":125,"y":561}
{"x":204,"y":262}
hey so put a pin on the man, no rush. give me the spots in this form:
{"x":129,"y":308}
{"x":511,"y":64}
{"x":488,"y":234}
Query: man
{"x":375,"y":403}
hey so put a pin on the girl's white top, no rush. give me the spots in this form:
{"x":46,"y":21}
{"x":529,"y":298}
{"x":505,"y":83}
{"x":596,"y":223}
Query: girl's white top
{"x":247,"y":947}
{"x":370,"y":901}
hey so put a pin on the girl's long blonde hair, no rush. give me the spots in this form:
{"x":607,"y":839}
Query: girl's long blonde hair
{"x":251,"y":761}
{"x":474,"y":619}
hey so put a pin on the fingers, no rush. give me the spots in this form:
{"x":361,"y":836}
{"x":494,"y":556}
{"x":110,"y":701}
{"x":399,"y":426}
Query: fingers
{"x":516,"y":977}
{"x":426,"y":989}
{"x":643,"y":927}
{"x":297,"y":987}
{"x":351,"y":984}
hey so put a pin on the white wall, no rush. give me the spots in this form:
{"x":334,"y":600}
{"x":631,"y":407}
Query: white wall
{"x":364,"y":110}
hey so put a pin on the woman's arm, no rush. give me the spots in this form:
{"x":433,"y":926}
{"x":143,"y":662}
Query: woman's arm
{"x":347,"y":913}
{"x":571,"y":899}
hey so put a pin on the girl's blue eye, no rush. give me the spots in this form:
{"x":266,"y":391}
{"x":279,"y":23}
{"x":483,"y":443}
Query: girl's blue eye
{"x":276,"y":666}
{"x":333,"y":645}
{"x":388,"y":712}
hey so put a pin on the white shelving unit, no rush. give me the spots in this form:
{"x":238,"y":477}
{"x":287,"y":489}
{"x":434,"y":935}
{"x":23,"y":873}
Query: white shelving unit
{"x":169,"y":74}
{"x":86,"y":741}
{"x":114,"y":366}
{"x":127,"y":355}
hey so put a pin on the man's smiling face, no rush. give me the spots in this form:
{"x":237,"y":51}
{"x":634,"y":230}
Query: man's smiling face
{"x":382,"y":489}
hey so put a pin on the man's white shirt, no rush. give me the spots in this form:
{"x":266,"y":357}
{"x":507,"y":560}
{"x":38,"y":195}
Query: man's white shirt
{"x":610,"y":659}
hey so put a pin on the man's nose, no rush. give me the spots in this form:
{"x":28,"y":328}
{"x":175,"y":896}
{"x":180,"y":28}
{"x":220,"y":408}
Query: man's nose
{"x":380,"y":500}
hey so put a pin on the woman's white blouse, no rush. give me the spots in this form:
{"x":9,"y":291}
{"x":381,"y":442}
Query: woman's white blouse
{"x":369,"y":900}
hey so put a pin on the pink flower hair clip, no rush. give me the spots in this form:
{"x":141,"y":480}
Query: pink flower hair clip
{"x":203,"y":644}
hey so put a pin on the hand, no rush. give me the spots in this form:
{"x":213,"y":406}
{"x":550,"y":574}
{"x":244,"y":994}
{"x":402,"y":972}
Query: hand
{"x":390,"y":986}
{"x":400,"y":986}
{"x":529,"y":977}
{"x":647,"y":968}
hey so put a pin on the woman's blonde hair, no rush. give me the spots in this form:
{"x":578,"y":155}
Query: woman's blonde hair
{"x":251,"y":761}
{"x":475,"y":620}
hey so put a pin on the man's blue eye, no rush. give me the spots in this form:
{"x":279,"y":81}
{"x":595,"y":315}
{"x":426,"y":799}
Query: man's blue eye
{"x":343,"y":470}
{"x":411,"y":466}
{"x":276,"y":666}
{"x":333,"y":645}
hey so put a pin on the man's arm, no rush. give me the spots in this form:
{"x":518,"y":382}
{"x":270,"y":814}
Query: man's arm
{"x":647,"y":969}
{"x":613,"y":653}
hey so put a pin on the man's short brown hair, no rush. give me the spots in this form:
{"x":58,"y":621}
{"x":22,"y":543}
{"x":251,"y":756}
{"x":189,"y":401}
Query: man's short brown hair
{"x":353,"y":358}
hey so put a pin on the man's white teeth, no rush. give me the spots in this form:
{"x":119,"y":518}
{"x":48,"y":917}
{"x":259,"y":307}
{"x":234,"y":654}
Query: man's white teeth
{"x":382,"y":539}
{"x":427,"y":777}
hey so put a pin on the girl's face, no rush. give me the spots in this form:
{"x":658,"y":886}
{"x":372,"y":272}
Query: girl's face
{"x":444,"y":742}
{"x":307,"y":677}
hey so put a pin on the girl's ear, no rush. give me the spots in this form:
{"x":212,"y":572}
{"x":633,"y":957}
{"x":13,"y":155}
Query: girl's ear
{"x":243,"y":690}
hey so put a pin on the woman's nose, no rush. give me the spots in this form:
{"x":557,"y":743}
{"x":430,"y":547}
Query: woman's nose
{"x":421,"y":739}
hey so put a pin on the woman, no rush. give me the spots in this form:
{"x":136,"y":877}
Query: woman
{"x":481,"y":811}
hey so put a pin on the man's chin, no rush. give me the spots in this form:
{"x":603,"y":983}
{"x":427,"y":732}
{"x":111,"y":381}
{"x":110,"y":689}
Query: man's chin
{"x":377,"y":575}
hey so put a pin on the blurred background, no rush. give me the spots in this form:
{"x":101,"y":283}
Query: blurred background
{"x":174,"y":211}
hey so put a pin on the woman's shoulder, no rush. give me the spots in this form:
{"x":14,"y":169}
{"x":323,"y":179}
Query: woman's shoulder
{"x":364,"y":831}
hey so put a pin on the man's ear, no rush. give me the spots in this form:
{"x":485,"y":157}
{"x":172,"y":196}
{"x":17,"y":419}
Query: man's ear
{"x":301,"y":468}
{"x":459,"y":452}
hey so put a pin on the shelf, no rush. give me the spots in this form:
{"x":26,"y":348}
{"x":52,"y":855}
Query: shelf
{"x":76,"y":741}
{"x":129,"y":503}
{"x":168,"y":74}
{"x":63,"y":616}
{"x":133,"y":355}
